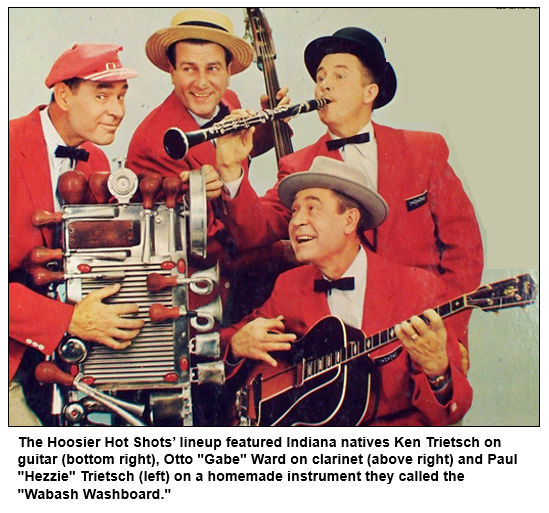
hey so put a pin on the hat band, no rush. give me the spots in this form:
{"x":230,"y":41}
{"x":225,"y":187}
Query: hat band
{"x":204,"y":24}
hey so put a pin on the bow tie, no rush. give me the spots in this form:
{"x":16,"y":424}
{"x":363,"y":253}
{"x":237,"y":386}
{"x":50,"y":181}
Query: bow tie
{"x":71,"y":153}
{"x":335,"y":144}
{"x":223,"y":111}
{"x":341,"y":284}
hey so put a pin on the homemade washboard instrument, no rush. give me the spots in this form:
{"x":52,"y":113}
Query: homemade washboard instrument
{"x":145,"y":247}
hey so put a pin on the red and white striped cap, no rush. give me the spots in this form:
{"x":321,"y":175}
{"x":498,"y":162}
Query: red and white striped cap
{"x":89,"y":61}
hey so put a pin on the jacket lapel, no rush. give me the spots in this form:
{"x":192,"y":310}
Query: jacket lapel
{"x":316,"y":306}
{"x":36,"y":169}
{"x":391,"y":173}
{"x":379,"y":302}
{"x":323,"y":150}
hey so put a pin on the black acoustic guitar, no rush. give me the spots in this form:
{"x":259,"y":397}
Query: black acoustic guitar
{"x":325,"y":380}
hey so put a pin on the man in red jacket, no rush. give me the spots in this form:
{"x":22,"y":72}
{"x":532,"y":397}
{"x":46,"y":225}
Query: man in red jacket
{"x":431,"y":222}
{"x":332,"y":205}
{"x":89,"y":85}
{"x":200,"y":52}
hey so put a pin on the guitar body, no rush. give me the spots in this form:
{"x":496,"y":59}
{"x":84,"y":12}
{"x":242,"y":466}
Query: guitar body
{"x":326,"y":379}
{"x":331,"y":394}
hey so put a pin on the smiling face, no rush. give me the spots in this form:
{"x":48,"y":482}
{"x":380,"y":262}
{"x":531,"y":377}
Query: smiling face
{"x":321,"y":232}
{"x":200,"y":76}
{"x":344,"y":80}
{"x":93,"y":111}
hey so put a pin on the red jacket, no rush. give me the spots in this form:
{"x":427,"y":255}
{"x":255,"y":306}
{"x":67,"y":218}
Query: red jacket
{"x":393,"y":294}
{"x":441,"y":234}
{"x":34,"y":320}
{"x":146,"y":153}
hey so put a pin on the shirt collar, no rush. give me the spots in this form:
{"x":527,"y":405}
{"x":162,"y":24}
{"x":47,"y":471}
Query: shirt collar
{"x":51,"y":135}
{"x":357,"y":267}
{"x":202,"y":121}
{"x":367,"y":129}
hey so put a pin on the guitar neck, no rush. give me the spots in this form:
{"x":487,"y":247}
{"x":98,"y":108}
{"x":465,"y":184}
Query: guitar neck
{"x":518,"y":291}
{"x":357,"y":348}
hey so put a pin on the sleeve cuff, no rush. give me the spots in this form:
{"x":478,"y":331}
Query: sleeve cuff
{"x":231,"y":188}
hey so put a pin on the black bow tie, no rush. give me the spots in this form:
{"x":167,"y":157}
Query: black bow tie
{"x":335,"y":144}
{"x":341,"y":284}
{"x":71,"y":153}
{"x":223,"y":111}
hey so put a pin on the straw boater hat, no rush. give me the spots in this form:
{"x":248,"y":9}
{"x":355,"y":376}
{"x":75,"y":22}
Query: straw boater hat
{"x":327,"y":173}
{"x":366,"y":47}
{"x":199,"y":24}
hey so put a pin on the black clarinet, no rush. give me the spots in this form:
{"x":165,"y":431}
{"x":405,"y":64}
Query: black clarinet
{"x":177,"y":142}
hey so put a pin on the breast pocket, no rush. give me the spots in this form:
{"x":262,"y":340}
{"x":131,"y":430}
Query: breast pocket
{"x":416,"y":202}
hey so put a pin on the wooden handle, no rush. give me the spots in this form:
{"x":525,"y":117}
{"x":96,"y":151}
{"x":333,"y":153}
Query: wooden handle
{"x":159,"y":313}
{"x":41,"y":218}
{"x":171,"y":186}
{"x":156,"y":282}
{"x":43,"y":276}
{"x":43,"y":255}
{"x":99,"y":185}
{"x":149,"y":187}
{"x":48,"y":372}
{"x":73,"y":187}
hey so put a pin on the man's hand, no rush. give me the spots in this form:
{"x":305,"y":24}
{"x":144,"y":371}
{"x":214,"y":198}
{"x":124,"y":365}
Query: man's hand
{"x":264,"y":138}
{"x":259,"y":337}
{"x":95,"y":321}
{"x":426,"y":343}
{"x":214,"y":185}
{"x":233,"y":148}
{"x":281,"y":96}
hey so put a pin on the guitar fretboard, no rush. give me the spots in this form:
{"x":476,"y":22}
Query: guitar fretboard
{"x":356,"y":348}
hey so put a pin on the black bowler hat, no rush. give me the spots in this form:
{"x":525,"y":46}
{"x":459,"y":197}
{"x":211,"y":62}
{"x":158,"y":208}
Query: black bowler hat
{"x":366,"y":47}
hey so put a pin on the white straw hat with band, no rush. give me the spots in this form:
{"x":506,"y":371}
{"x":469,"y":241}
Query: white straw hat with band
{"x":199,"y":24}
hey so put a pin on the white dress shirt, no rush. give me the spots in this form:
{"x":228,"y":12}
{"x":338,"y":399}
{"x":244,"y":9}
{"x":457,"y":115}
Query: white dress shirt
{"x":57,"y":165}
{"x":348,"y":305}
{"x":202,"y":121}
{"x":362,"y":156}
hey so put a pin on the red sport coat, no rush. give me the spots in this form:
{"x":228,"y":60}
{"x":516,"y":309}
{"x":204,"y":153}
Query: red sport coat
{"x":146,"y":153}
{"x":431,"y":223}
{"x":393,"y":293}
{"x":34,"y":320}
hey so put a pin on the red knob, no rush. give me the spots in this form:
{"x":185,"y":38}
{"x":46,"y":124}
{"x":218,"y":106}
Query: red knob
{"x":159,"y":313}
{"x":73,"y":186}
{"x":48,"y":372}
{"x":99,"y":185}
{"x":149,"y":187}
{"x":41,"y":218}
{"x":43,"y":276}
{"x":42,"y":255}
{"x":156,"y":282}
{"x":171,"y":186}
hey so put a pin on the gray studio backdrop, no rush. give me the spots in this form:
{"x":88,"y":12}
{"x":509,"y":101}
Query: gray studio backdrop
{"x":470,"y":74}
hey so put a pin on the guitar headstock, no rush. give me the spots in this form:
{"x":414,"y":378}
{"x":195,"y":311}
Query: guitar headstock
{"x":517,"y":291}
